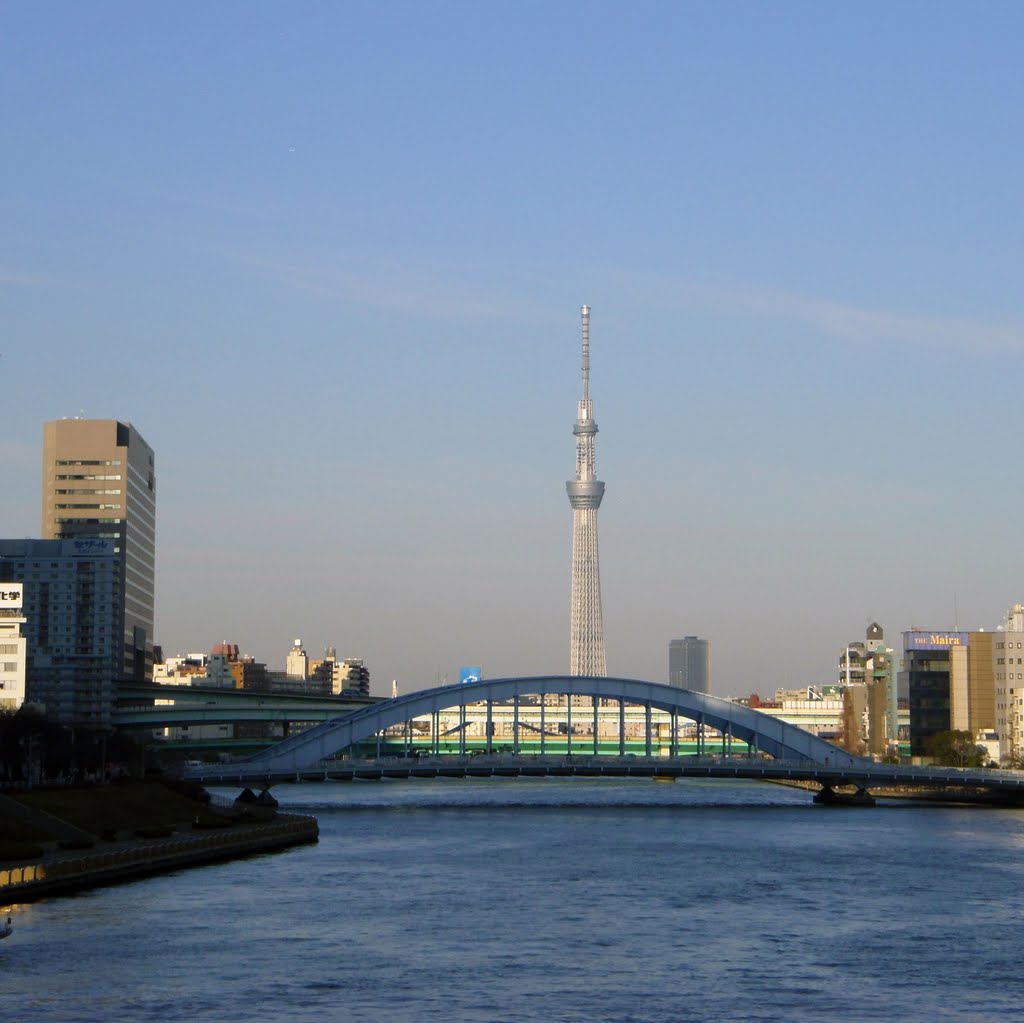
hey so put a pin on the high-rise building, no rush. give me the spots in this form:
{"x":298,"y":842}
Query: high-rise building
{"x":689,"y":664}
{"x":870,"y":717}
{"x":586,"y":628}
{"x":297,"y":665}
{"x":925,"y":678}
{"x":1008,"y":683}
{"x":99,"y":483}
{"x":72,"y":649}
{"x":351,"y":676}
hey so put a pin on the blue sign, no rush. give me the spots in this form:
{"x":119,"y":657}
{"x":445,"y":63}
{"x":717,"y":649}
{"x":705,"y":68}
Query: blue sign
{"x":470,"y":675}
{"x":92,"y":546}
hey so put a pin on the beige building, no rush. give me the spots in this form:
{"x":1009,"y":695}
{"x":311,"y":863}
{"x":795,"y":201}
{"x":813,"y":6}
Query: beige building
{"x":99,"y":483}
{"x":972,"y":689}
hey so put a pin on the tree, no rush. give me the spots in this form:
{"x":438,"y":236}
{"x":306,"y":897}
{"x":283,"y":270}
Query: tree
{"x":956,"y":748}
{"x":1015,"y":760}
{"x":31,"y":745}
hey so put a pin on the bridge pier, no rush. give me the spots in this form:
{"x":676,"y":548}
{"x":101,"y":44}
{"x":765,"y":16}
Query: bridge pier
{"x":829,"y":797}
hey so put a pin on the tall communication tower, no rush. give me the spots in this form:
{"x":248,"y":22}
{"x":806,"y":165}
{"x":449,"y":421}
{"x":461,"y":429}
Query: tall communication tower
{"x":586,"y":628}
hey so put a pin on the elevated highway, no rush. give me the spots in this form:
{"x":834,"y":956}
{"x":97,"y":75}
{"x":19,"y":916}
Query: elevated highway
{"x":154,"y":705}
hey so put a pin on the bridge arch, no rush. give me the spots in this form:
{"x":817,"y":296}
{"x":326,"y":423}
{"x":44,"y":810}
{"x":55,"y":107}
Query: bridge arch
{"x":768,"y":734}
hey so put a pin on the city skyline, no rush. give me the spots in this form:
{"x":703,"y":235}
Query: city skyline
{"x":319,"y":272}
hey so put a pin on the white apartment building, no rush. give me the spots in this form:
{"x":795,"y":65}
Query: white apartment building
{"x":12,"y":647}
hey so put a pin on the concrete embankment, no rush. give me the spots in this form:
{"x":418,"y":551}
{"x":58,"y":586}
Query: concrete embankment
{"x":129,"y":861}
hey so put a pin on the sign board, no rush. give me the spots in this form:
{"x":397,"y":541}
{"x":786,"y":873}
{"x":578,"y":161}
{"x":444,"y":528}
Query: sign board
{"x":470,"y":675}
{"x":92,"y":546}
{"x":10,"y":595}
{"x":933,"y":640}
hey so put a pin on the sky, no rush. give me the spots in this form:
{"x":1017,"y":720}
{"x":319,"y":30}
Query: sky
{"x":328,"y":258}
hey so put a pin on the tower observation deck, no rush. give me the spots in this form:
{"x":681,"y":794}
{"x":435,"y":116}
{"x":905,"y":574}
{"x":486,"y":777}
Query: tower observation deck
{"x":586,"y":628}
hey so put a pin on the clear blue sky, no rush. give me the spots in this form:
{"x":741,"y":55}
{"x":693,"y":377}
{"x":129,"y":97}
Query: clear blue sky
{"x":328,"y":258}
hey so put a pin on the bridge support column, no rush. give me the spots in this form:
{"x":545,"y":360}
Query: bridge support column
{"x":622,"y":727}
{"x":515,"y":723}
{"x":568,"y":725}
{"x":595,"y":726}
{"x":700,"y":735}
{"x":435,"y":731}
{"x":647,"y":725}
{"x":462,"y":730}
{"x":490,"y":724}
{"x":543,"y":727}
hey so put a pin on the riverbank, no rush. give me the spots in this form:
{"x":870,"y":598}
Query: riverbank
{"x":157,"y":830}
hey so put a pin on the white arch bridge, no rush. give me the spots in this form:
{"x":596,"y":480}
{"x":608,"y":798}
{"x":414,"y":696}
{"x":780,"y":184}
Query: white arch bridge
{"x":771,"y":749}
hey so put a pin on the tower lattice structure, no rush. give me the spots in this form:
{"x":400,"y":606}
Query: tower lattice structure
{"x":586,"y":628}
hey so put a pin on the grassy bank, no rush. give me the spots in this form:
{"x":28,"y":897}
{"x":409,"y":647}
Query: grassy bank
{"x":63,"y":818}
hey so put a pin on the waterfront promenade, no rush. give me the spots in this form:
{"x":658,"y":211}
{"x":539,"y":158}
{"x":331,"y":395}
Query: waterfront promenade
{"x":60,"y":872}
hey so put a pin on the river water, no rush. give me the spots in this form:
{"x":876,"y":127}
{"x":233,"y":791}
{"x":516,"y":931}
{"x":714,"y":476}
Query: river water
{"x":553,"y":900}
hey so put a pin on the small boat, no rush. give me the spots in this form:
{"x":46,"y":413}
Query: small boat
{"x":5,"y":931}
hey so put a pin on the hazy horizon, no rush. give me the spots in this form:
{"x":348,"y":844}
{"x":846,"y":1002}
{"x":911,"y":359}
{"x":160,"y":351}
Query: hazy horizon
{"x":329,"y":259}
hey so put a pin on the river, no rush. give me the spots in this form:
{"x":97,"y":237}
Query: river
{"x":557,"y":901}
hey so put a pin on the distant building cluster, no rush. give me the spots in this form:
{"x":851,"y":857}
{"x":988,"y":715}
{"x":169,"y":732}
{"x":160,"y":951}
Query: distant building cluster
{"x":226,"y":668}
{"x":968,"y":682}
{"x":887,"y":704}
{"x":77,"y":604}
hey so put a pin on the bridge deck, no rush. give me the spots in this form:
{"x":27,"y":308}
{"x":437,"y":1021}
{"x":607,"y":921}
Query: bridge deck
{"x":1000,"y":786}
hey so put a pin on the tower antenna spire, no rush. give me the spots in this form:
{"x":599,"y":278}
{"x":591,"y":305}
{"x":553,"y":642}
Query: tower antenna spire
{"x":585,"y":330}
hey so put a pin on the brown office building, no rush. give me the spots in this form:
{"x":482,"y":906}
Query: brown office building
{"x":99,"y":483}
